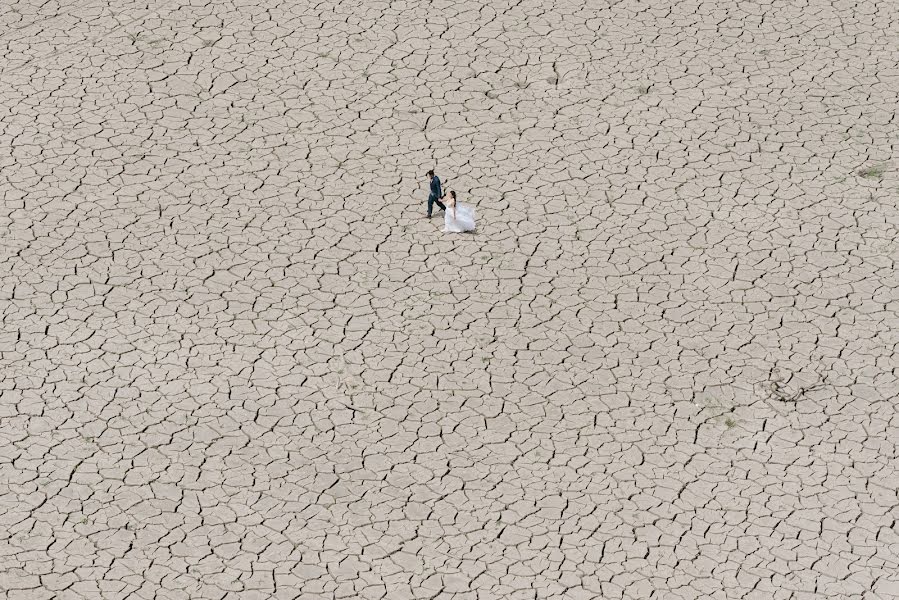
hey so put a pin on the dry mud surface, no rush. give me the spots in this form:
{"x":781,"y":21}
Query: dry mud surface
{"x":237,"y":363}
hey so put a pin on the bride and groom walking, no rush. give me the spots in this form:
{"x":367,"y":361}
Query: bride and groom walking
{"x":457,"y":217}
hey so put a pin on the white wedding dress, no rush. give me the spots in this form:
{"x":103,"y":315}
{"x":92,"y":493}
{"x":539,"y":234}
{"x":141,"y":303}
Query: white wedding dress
{"x":458,"y":218}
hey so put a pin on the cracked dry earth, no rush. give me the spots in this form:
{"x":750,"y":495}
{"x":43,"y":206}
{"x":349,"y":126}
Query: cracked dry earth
{"x":238,"y":363}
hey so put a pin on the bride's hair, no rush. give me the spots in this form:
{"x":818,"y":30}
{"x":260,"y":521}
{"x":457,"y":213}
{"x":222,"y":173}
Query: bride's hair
{"x":453,"y":195}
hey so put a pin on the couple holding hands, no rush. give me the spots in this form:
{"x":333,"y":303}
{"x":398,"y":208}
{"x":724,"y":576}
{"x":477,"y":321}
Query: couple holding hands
{"x":457,"y":217}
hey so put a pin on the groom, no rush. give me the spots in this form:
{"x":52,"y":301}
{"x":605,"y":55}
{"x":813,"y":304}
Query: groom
{"x":436,"y":193}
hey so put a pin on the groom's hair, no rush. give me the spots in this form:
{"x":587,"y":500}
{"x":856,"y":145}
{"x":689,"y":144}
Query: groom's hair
{"x":431,"y":173}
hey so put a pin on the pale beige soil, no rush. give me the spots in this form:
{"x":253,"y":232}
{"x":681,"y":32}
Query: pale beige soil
{"x":236,"y":362}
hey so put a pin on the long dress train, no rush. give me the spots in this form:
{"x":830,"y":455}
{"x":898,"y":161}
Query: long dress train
{"x":459,"y":218}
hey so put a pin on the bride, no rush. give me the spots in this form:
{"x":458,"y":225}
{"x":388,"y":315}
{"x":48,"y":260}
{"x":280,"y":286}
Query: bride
{"x":457,"y":217}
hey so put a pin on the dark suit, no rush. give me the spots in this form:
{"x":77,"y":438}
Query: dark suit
{"x":435,"y":195}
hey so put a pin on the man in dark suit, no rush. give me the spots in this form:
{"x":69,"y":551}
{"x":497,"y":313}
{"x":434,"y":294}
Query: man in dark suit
{"x":436,"y":193}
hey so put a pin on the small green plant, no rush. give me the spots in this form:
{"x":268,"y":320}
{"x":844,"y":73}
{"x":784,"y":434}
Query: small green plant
{"x":872,"y":172}
{"x":209,"y":43}
{"x":730,"y":423}
{"x":642,"y":89}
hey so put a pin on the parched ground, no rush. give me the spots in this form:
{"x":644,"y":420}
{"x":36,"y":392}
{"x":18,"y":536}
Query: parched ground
{"x":237,"y":363}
